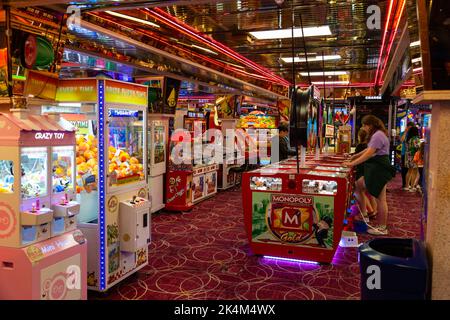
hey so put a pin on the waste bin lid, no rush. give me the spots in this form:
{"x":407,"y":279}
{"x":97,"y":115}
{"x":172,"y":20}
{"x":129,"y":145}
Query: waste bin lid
{"x":410,"y":252}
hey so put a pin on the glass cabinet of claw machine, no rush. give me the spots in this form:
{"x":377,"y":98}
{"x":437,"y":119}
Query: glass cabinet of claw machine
{"x":125,"y":147}
{"x":63,"y":189}
{"x":35,"y":196}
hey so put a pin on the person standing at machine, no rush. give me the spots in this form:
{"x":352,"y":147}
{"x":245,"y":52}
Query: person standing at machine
{"x":412,"y":146}
{"x":403,"y":161}
{"x":369,"y":211}
{"x":419,"y":161}
{"x":284,"y":149}
{"x":378,"y":170}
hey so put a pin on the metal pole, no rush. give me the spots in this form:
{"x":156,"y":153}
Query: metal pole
{"x":294,"y":91}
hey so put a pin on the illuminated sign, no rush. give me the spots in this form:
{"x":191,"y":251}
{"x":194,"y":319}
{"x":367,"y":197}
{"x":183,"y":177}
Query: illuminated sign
{"x":49,"y":135}
{"x":292,"y":199}
{"x":82,"y":90}
{"x":125,"y":93}
{"x":122,"y":113}
{"x":41,"y":86}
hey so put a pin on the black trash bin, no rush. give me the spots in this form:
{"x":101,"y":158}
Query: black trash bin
{"x":393,"y":268}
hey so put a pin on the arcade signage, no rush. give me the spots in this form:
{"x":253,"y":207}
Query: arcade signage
{"x":291,"y":198}
{"x":125,"y":93}
{"x":31,"y":138}
{"x":123,"y":113}
{"x":40,"y":85}
{"x":49,"y":135}
{"x":82,"y":90}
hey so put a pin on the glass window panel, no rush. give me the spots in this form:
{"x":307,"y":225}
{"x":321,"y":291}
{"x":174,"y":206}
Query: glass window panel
{"x":126,"y":146}
{"x":34,"y":172}
{"x":6,"y":176}
{"x":62,"y":169}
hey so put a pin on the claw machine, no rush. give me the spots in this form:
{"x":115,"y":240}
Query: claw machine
{"x":43,"y":256}
{"x":111,"y":121}
{"x":179,"y":177}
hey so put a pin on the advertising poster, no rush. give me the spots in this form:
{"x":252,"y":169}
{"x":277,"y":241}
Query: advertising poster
{"x":227,"y":106}
{"x":171,"y":91}
{"x":283,"y":108}
{"x":159,"y":145}
{"x":292,"y":219}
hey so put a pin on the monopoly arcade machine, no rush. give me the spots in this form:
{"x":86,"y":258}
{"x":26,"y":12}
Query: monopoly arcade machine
{"x":295,"y":209}
{"x":111,"y":122}
{"x":42,"y":254}
{"x":297,"y":215}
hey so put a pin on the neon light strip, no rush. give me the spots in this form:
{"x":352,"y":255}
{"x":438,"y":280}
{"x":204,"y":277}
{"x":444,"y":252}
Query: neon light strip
{"x":102,"y":185}
{"x":192,"y":53}
{"x":391,"y":3}
{"x":397,"y":23}
{"x":168,"y":19}
{"x":291,"y":260}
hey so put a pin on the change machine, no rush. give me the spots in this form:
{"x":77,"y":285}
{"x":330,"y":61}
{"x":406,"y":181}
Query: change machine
{"x":42,"y":253}
{"x":158,"y":132}
{"x":111,"y":121}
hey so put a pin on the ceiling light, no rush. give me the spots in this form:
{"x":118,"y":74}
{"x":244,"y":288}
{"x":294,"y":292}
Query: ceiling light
{"x":204,"y":49}
{"x":416,"y":60}
{"x":415,"y":43}
{"x":326,"y":73}
{"x":287,"y":33}
{"x":116,"y":14}
{"x":330,"y":82}
{"x":312,"y":59}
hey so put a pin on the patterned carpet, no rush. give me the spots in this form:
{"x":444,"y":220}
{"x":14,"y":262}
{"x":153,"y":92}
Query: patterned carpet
{"x":204,"y":255}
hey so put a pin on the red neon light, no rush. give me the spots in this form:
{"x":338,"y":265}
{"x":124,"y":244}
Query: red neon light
{"x":391,"y":2}
{"x":162,"y":16}
{"x":212,"y":61}
{"x":391,"y":42}
{"x":351,"y":85}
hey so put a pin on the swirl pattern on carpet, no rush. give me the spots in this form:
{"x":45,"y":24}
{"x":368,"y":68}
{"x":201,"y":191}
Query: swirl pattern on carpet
{"x":204,"y":254}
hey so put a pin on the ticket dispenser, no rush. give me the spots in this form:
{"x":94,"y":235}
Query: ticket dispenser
{"x":134,"y":221}
{"x":64,"y":217}
{"x":36,"y":225}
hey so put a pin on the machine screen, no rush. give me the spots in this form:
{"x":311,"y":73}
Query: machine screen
{"x":159,"y":145}
{"x":319,"y":187}
{"x":265,"y":183}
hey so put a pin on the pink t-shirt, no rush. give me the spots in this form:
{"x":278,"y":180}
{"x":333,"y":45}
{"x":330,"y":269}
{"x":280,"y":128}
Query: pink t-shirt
{"x":380,"y":143}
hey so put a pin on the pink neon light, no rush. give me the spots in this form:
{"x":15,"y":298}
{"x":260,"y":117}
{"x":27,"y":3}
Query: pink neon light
{"x":169,"y":19}
{"x":291,"y":260}
{"x":212,"y":61}
{"x":391,"y":2}
{"x":397,"y":23}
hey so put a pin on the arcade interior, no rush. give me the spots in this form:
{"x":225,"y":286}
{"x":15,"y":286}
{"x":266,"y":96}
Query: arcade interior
{"x":224,"y":150}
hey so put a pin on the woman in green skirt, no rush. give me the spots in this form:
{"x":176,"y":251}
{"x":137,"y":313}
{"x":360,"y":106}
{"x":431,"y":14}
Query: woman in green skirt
{"x":377,"y":170}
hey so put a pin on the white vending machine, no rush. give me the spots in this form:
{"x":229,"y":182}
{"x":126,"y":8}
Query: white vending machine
{"x":158,"y":132}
